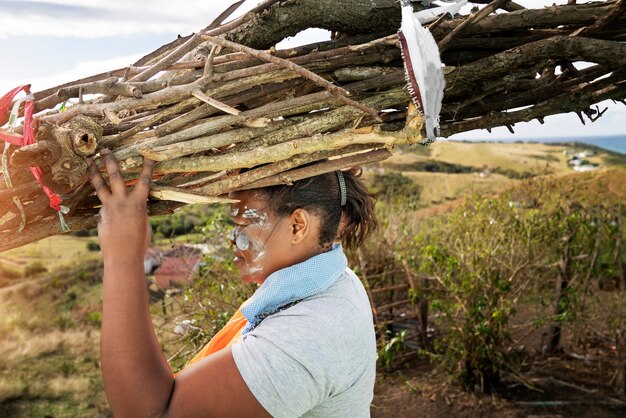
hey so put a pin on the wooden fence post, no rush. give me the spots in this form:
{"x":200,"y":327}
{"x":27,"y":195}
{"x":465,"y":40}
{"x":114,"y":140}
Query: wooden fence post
{"x":422,"y":308}
{"x":562,"y":283}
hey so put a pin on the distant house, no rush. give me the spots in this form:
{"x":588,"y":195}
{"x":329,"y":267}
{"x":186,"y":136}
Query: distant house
{"x":574,"y":161}
{"x":577,"y":163}
{"x":177,"y":270}
{"x":585,"y":167}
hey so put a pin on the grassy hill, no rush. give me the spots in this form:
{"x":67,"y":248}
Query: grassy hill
{"x":448,"y":170}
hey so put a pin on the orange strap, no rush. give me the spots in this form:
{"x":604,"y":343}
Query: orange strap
{"x":227,"y":336}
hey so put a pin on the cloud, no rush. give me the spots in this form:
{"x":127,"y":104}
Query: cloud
{"x":94,"y":19}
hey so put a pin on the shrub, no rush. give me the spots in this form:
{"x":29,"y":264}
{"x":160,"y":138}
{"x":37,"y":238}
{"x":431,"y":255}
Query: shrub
{"x":433,"y":166}
{"x":396,"y":188}
{"x":476,"y":256}
{"x":34,"y":269}
{"x":512,"y":174}
{"x":95,"y":318}
{"x":214,"y":296}
{"x":387,"y":353}
{"x":93,"y":246}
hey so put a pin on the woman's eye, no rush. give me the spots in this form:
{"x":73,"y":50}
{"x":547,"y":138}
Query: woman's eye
{"x":236,"y":231}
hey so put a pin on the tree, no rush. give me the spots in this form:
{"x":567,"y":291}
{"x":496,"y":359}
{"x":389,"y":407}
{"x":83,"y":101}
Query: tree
{"x":207,"y":104}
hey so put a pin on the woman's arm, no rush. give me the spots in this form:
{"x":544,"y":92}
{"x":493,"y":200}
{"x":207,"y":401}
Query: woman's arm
{"x":137,"y":379}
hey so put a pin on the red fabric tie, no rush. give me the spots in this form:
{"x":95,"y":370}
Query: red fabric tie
{"x":30,"y":130}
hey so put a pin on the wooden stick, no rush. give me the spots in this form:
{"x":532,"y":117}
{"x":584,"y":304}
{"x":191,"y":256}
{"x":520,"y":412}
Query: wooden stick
{"x":284,"y":151}
{"x":333,"y":89}
{"x":289,"y":177}
{"x":119,"y":72}
{"x":109,"y":86}
{"x":205,"y":143}
{"x":49,"y":225}
{"x":224,"y":15}
{"x":471,"y":20}
{"x":111,"y":116}
{"x":288,"y":149}
{"x":284,"y":109}
{"x":176,"y":194}
{"x":390,"y":288}
{"x":585,"y":96}
{"x":150,"y":58}
{"x":245,"y":180}
{"x":23,"y":190}
{"x":208,"y":64}
{"x":618,"y":10}
{"x":509,"y":7}
{"x":264,"y":56}
{"x":170,"y":111}
{"x":41,"y":153}
{"x":194,"y":180}
{"x":214,"y":103}
{"x":265,"y":93}
{"x":213,"y":125}
{"x":196,"y":40}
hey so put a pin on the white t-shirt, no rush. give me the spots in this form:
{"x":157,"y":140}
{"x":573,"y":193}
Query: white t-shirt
{"x":316,"y":358}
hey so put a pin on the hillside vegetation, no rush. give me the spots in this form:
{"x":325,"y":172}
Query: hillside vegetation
{"x":50,"y":309}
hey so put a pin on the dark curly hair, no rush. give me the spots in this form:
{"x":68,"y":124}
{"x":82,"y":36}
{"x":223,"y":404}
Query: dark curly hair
{"x":321,"y":195}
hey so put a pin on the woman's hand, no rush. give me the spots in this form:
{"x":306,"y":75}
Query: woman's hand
{"x":123,"y":227}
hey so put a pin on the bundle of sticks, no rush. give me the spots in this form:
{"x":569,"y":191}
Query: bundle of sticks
{"x":204,"y":107}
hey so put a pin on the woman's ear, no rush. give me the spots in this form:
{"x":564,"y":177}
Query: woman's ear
{"x":300,"y":224}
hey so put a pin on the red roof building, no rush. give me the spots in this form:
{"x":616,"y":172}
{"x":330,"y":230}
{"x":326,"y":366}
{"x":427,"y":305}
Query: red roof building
{"x":180,"y":270}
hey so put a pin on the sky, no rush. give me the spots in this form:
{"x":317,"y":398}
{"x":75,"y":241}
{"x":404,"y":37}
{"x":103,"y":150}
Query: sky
{"x":49,"y":42}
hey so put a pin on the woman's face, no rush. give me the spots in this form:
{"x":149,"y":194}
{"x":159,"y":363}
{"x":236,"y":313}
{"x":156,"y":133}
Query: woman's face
{"x":260,"y":238}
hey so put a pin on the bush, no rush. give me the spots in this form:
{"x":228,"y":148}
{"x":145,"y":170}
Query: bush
{"x":214,"y":296}
{"x":396,"y":188}
{"x":433,"y":166}
{"x":486,"y":257}
{"x":95,"y":318}
{"x":86,"y":232}
{"x":478,"y":257}
{"x":34,"y":269}
{"x":512,"y":174}
{"x":93,"y":246}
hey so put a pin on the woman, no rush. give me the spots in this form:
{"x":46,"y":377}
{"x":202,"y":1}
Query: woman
{"x":302,"y":345}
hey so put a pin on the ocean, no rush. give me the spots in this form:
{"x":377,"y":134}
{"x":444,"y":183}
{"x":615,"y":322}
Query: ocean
{"x":615,"y":143}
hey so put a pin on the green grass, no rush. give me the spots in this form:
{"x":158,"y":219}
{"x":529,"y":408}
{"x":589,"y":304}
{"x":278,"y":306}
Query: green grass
{"x":53,"y":253}
{"x":49,"y":332}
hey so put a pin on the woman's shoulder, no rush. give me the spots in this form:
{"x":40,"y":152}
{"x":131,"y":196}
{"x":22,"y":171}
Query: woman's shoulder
{"x":340,"y":314}
{"x":344,"y":301}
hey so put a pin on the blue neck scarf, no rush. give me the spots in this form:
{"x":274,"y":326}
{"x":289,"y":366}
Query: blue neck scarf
{"x":292,"y":284}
